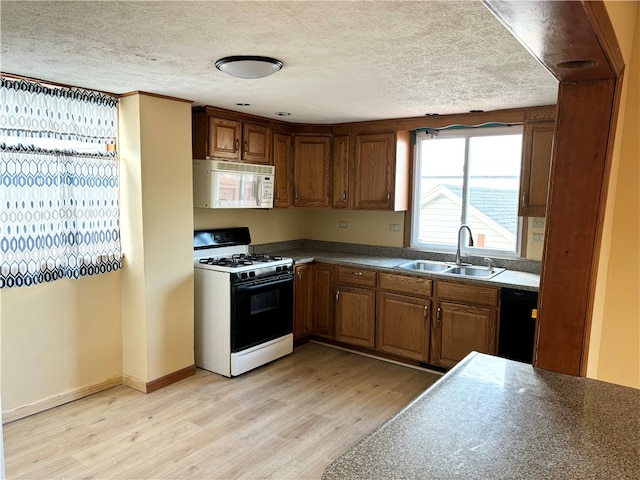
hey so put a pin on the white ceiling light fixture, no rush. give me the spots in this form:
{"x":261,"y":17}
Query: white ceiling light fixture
{"x":249,"y":66}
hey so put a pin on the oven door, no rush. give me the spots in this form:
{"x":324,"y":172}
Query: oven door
{"x":261,"y":311}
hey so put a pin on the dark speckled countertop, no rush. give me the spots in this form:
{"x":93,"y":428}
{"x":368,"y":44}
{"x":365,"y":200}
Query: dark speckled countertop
{"x":492,"y":418}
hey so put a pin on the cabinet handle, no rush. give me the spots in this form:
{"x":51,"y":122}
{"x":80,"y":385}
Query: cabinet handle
{"x":295,"y":194}
{"x":344,"y":195}
{"x":357,"y":274}
{"x":426,"y":310}
{"x":237,"y":145}
{"x":389,"y":197}
{"x":337,"y":297}
{"x":438,"y":315}
{"x":246,"y":146}
{"x":299,"y":276}
{"x":524,"y":199}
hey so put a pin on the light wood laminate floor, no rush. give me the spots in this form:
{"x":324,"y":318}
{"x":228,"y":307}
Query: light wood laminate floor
{"x":288,"y":419}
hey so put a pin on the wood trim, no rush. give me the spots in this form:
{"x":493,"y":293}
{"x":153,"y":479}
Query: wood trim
{"x":60,"y":399}
{"x":555,"y":33}
{"x":603,"y":29}
{"x":300,"y":129}
{"x":149,"y":94}
{"x":232,"y":115}
{"x":170,"y":378}
{"x":586,"y":120}
{"x":573,"y":226}
{"x":542,"y":114}
{"x":600,"y":220}
{"x":373,"y":126}
{"x":408,"y":215}
{"x":515,"y":115}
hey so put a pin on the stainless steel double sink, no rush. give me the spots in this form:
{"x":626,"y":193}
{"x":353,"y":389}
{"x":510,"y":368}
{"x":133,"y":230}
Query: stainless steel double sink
{"x":474,"y":271}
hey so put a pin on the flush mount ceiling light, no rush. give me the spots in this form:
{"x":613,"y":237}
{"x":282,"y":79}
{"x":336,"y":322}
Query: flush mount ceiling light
{"x":248,"y":66}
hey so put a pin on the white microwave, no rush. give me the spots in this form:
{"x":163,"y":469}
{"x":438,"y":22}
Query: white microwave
{"x":223,"y":184}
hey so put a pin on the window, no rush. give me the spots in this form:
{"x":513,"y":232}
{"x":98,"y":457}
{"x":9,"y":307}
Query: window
{"x":468,"y":176}
{"x":58,"y":183}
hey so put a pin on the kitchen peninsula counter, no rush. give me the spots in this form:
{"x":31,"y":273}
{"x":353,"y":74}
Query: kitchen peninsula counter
{"x":495,"y":418}
{"x":508,"y":278}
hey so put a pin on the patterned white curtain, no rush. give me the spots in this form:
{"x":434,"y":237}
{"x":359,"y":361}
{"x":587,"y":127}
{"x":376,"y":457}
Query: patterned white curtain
{"x":59,"y":212}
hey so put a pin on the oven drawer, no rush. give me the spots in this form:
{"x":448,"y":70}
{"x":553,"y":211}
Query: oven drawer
{"x":356,"y":276}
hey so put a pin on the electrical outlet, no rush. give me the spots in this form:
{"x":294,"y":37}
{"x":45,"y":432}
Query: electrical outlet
{"x":538,"y":222}
{"x":538,"y":237}
{"x":343,"y":224}
{"x":394,"y":227}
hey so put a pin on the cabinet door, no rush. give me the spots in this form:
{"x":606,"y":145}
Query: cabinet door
{"x":311,"y":167}
{"x":255,"y":143}
{"x":459,"y":330}
{"x":340,"y":197}
{"x":323,"y":300}
{"x":536,"y":164}
{"x":303,"y":301}
{"x":283,"y":161}
{"x":374,"y":171}
{"x":224,"y":138}
{"x":403,"y":326}
{"x":355,"y":316}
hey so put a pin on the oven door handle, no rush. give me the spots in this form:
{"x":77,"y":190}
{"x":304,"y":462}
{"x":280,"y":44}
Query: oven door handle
{"x":253,"y":286}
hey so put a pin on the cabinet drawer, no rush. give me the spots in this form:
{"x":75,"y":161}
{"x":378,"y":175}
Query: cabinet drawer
{"x":405,"y":284}
{"x":357,"y":276}
{"x":469,"y":294}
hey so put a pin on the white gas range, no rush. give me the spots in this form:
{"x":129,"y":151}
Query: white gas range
{"x":243,"y":303}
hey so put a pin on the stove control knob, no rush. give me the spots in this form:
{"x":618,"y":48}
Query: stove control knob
{"x":243,"y":275}
{"x":278,"y":269}
{"x":252,"y":274}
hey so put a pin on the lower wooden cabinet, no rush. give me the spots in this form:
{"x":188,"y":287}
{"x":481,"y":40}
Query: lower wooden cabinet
{"x":410,"y":317}
{"x":323,"y":300}
{"x":460,"y":329}
{"x":403,"y":326}
{"x":356,"y":316}
{"x":303,"y":305}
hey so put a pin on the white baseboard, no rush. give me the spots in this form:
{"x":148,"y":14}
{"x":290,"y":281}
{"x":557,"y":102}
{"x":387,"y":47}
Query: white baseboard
{"x":60,"y":399}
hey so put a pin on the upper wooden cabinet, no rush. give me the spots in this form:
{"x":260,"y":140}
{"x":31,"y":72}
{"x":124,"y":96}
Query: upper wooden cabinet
{"x":255,"y":143}
{"x":341,"y":197}
{"x":537,"y":150}
{"x":311,"y":170}
{"x":235,"y":139}
{"x":381,"y":171}
{"x":283,"y":161}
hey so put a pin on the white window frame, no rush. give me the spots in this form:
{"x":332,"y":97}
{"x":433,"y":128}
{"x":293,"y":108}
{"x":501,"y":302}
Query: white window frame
{"x":415,"y":211}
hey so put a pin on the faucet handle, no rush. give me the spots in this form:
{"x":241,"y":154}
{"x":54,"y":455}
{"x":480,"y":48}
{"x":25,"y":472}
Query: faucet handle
{"x":487,"y":260}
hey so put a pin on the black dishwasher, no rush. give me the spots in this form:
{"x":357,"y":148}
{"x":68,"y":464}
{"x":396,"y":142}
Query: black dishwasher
{"x":517,"y":324}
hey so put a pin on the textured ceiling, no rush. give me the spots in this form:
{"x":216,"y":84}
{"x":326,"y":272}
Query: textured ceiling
{"x":343,"y":61}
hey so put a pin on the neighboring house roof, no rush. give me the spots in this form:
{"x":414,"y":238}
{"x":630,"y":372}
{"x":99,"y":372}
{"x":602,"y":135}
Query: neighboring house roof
{"x":499,"y":205}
